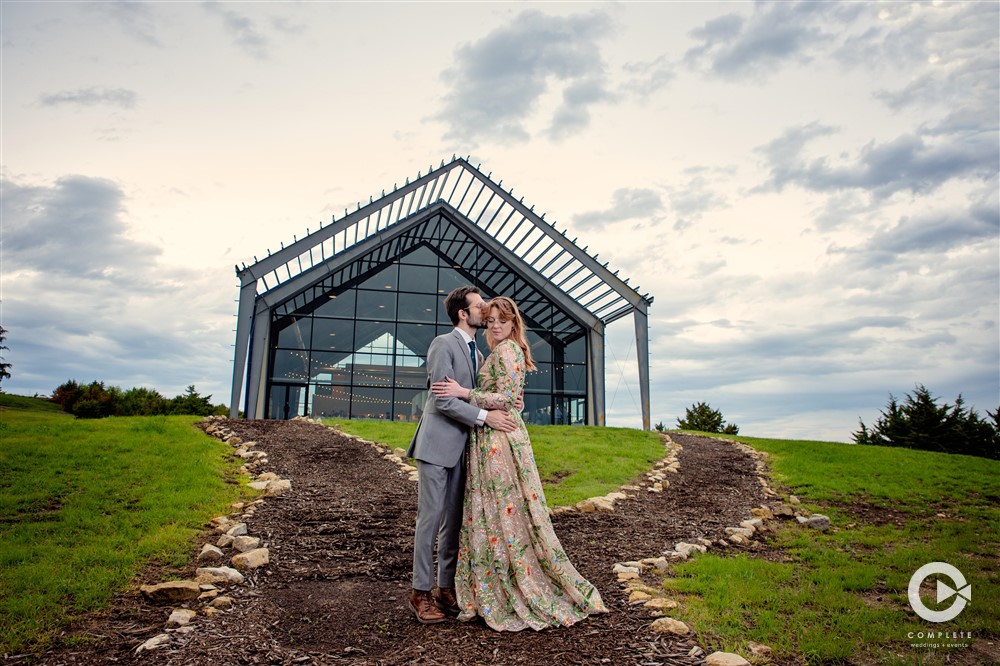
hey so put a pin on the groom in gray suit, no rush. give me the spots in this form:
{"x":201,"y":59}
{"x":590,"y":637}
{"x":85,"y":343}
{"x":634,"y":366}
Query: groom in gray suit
{"x":439,"y":448}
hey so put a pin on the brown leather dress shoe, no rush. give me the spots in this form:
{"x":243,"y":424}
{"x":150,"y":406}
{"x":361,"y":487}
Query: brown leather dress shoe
{"x":423,"y":607}
{"x":446,"y":600}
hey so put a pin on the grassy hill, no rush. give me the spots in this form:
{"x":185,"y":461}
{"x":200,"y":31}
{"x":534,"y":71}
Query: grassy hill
{"x":841,"y":595}
{"x":85,"y":505}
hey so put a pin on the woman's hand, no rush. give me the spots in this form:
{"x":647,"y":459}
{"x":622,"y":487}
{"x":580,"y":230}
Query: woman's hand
{"x":449,"y":388}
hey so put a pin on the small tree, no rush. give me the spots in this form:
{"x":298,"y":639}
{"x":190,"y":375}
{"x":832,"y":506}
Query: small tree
{"x":4,"y":366}
{"x":703,"y":418}
{"x":920,"y":423}
{"x":191,"y":403}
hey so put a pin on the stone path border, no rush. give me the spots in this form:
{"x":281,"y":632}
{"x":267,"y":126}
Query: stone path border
{"x":205,"y":591}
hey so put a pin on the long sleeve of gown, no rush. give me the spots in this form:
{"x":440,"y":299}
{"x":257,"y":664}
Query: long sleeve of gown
{"x":506,"y":367}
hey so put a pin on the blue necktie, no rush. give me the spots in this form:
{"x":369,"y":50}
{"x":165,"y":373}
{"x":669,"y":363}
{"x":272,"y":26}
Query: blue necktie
{"x":472,"y":355}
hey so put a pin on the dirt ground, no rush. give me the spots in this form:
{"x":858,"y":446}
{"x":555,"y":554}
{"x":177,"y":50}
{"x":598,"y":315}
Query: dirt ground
{"x":340,"y":553}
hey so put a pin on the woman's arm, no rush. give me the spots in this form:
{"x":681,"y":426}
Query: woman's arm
{"x":508,"y":375}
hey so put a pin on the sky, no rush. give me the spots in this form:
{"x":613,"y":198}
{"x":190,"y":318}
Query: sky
{"x":808,"y":190}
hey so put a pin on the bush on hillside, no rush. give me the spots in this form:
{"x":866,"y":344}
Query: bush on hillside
{"x":702,"y":417}
{"x":95,"y":400}
{"x":920,"y":423}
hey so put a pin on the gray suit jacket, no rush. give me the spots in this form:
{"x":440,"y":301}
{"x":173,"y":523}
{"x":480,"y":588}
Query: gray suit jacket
{"x":444,"y":427}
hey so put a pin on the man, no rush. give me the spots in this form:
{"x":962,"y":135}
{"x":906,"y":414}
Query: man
{"x":439,"y":448}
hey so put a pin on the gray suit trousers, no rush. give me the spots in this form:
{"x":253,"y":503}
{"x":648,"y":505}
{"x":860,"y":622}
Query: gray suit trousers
{"x":440,"y":493}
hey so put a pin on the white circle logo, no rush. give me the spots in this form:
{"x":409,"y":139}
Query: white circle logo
{"x":963,"y":593}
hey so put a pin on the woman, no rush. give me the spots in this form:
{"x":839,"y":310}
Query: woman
{"x":512,"y":570}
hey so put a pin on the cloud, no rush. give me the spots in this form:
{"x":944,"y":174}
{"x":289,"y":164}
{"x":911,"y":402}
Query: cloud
{"x":73,"y":227}
{"x":92,"y":96}
{"x":496,"y":82}
{"x":626,"y":204}
{"x":84,"y":300}
{"x":914,"y":162}
{"x":690,"y":201}
{"x":646,"y":78}
{"x":137,"y":19}
{"x":244,"y":31}
{"x":774,"y":33}
{"x":931,"y":234}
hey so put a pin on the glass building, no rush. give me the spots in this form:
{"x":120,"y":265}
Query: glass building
{"x":339,"y":323}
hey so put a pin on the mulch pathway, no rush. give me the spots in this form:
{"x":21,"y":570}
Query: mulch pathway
{"x":340,"y":546}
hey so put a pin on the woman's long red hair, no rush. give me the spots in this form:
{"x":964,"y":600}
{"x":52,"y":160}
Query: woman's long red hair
{"x":506,"y":309}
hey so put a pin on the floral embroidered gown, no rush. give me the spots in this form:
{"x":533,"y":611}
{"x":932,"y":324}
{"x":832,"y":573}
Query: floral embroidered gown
{"x":512,"y":570}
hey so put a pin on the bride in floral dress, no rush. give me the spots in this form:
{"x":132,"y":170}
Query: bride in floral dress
{"x":512,"y":570}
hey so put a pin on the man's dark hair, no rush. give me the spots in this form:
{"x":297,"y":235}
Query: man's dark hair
{"x":457,"y":300}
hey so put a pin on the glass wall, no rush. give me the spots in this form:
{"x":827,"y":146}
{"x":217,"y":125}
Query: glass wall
{"x":356,"y":346}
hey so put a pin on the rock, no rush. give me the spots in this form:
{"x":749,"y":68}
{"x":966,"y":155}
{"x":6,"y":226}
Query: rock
{"x":207,"y":587}
{"x":209,"y":611}
{"x":668,"y":625}
{"x":638,"y":586}
{"x":210,"y":553}
{"x":631,"y":488}
{"x":586,"y":506}
{"x":171,"y":592}
{"x":237,"y":505}
{"x":657,"y":487}
{"x":258,"y":485}
{"x":239,"y":529}
{"x":252,"y":559}
{"x":225,"y":541}
{"x":622,"y":568}
{"x":725,"y":659}
{"x":660,"y":604}
{"x":763,"y":513}
{"x":615,"y":496}
{"x":817,"y":521}
{"x":639,"y":597}
{"x":226,"y":575}
{"x":156,"y":641}
{"x":628,"y":575}
{"x":409,"y":469}
{"x":659,"y":564}
{"x":783,"y":511}
{"x":268,"y":476}
{"x":743,"y":531}
{"x":222,"y":603}
{"x":399,"y":452}
{"x":245,"y":543}
{"x":792,"y":499}
{"x":219,"y":521}
{"x":180,"y":617}
{"x":186,"y":629}
{"x":275,"y":488}
{"x":688,"y":548}
{"x":696,"y":652}
{"x":759,"y":650}
{"x":739,"y":539}
{"x":416,"y":477}
{"x":208,"y":595}
{"x":753,"y":524}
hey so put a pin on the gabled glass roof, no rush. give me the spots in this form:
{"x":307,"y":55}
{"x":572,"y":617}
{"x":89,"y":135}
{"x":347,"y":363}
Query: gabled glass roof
{"x":478,"y":210}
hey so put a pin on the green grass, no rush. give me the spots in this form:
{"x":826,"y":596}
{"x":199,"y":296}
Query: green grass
{"x":574,"y":462}
{"x":25,"y":402}
{"x":85,"y":505}
{"x":827,"y":597}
